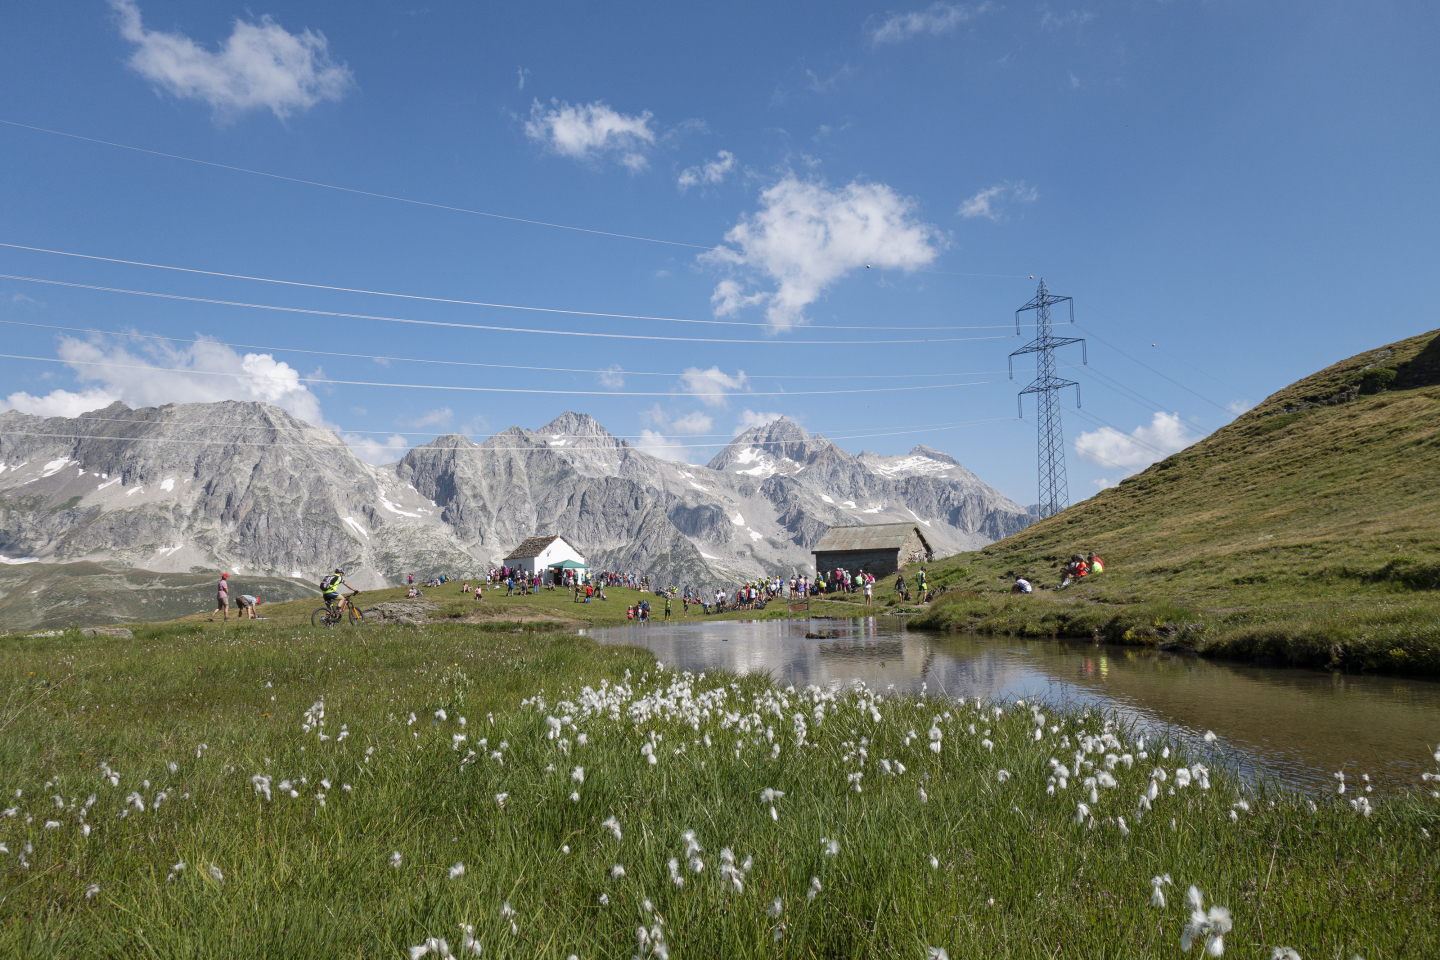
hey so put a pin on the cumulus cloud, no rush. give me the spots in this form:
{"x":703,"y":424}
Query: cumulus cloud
{"x":711,"y":386}
{"x":430,"y":418}
{"x":612,"y":377}
{"x":988,"y":202}
{"x":193,"y":373}
{"x":750,"y":419}
{"x":261,"y":65}
{"x":661,"y":440}
{"x":711,"y":172}
{"x":935,"y":19}
{"x":588,"y":131}
{"x":806,"y":236}
{"x":59,"y":403}
{"x":1134,"y":451}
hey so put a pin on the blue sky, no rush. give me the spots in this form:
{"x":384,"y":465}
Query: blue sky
{"x":1248,"y":187}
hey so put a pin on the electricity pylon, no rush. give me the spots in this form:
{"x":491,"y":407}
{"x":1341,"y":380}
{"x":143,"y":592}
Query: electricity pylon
{"x":1050,"y":447}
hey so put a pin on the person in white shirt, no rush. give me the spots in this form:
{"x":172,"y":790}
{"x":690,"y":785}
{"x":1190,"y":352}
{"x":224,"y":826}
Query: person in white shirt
{"x":1022,"y":586}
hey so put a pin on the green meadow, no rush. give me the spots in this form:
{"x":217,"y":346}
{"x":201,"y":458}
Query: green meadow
{"x":273,"y":790}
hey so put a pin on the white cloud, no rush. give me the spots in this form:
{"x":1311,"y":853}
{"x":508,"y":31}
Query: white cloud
{"x":430,"y":418}
{"x":712,"y":172}
{"x":1056,"y":21}
{"x":935,"y":19}
{"x":376,"y":451}
{"x":59,"y":403}
{"x":986,"y":203}
{"x":806,"y":236}
{"x":195,"y":373}
{"x":1134,"y":451}
{"x":261,"y":65}
{"x":660,"y":442}
{"x":612,"y":377}
{"x":1237,"y":407}
{"x":524,"y":75}
{"x":749,"y":419}
{"x":711,"y":386}
{"x":587,"y":131}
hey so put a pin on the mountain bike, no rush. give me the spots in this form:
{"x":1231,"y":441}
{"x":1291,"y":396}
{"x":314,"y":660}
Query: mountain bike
{"x":350,"y":616}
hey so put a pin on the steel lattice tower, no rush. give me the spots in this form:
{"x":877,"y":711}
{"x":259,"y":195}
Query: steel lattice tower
{"x":1050,"y":447}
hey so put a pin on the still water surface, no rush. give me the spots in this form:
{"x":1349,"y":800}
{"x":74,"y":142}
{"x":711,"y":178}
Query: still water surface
{"x":1299,"y":726}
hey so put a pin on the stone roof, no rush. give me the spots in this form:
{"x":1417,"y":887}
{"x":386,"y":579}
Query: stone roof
{"x":534,"y":546}
{"x":876,"y":536}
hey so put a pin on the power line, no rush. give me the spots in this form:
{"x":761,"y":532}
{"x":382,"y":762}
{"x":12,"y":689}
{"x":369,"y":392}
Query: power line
{"x":1157,"y":373}
{"x":463,"y":389}
{"x":895,"y":431}
{"x":493,"y":366}
{"x":1172,"y":356}
{"x":479,"y":446}
{"x":472,"y":326}
{"x":363,"y":193}
{"x":466,"y":303}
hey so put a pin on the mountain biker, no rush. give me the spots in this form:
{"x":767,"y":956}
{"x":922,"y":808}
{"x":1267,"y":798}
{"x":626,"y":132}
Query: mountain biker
{"x":330,"y":592}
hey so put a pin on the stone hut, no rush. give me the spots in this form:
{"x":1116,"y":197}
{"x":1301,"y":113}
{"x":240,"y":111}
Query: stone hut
{"x":877,"y":549}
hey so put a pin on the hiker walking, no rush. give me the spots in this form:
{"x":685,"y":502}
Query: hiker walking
{"x":222,"y":598}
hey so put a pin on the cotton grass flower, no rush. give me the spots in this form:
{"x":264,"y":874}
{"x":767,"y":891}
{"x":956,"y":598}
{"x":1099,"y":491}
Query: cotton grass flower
{"x":815,"y":888}
{"x":613,"y":825}
{"x":1002,"y":775}
{"x":1212,"y":925}
{"x":215,"y":874}
{"x":578,"y":774}
{"x":500,"y":799}
{"x":1157,"y":895}
{"x":934,"y":862}
{"x":1211,"y":738}
{"x":457,"y":871}
{"x":832,"y":847}
{"x":777,"y":907}
{"x":92,"y":890}
{"x":1285,"y":953}
{"x":924,"y":797}
{"x":936,"y":953}
{"x":616,"y":872}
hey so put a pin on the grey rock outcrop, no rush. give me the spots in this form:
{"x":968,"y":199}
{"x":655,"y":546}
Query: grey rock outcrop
{"x":246,"y":487}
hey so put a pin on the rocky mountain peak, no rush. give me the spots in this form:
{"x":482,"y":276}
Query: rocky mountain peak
{"x":574,"y":426}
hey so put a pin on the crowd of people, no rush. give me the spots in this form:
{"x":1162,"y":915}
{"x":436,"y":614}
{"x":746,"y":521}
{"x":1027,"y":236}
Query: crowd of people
{"x":1072,"y":571}
{"x":586,"y":587}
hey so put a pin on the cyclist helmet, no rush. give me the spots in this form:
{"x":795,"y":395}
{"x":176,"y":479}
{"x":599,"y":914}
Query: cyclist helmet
{"x":339,"y":571}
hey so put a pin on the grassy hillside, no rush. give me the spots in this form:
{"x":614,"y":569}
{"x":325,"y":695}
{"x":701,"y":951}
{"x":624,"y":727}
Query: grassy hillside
{"x":39,"y":596}
{"x":1306,"y":532}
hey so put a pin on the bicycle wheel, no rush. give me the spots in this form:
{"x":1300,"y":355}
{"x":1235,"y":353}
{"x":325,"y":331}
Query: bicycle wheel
{"x":321,"y":618}
{"x":353,"y":615}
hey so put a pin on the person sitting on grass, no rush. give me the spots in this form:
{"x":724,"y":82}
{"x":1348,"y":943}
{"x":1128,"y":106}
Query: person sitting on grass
{"x":246,"y":605}
{"x":1022,"y":585}
{"x":1096,"y":564}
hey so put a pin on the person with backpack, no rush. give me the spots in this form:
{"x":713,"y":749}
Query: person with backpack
{"x":330,"y":592}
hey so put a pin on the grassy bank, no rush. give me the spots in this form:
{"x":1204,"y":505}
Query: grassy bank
{"x":544,"y":610}
{"x":1306,"y":532}
{"x":288,"y":817}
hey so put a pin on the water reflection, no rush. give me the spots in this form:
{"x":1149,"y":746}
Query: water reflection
{"x":1299,"y":725}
